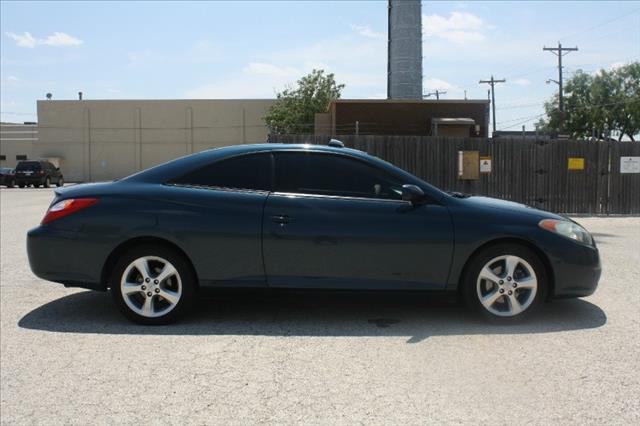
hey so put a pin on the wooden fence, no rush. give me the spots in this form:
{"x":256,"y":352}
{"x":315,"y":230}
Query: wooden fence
{"x":533,"y":172}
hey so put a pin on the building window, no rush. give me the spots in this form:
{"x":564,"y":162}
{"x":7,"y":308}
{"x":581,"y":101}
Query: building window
{"x":3,"y":157}
{"x":21,"y":157}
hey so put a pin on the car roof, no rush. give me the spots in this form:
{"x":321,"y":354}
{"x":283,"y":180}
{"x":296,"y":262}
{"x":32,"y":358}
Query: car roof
{"x":259,"y":147}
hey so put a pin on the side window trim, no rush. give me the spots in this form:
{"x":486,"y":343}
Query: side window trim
{"x":341,"y":197}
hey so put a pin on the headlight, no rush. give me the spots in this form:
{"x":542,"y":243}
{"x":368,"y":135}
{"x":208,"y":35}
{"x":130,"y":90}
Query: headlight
{"x":567,"y":229}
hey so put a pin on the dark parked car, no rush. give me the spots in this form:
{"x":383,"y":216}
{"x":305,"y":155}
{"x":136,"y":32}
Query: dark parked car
{"x":7,"y":177}
{"x":303,"y":216}
{"x":38,"y":173}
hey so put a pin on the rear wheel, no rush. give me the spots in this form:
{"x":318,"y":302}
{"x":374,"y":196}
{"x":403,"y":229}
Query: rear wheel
{"x":11,"y":184}
{"x":47,"y":182}
{"x":60,"y":181}
{"x":505,"y":282}
{"x":21,"y":185}
{"x":152,"y":284}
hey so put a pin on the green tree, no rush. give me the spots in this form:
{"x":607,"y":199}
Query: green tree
{"x":607,"y":103}
{"x":295,"y":109}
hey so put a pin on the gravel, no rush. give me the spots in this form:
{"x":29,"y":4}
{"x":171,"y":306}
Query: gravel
{"x":67,"y":356}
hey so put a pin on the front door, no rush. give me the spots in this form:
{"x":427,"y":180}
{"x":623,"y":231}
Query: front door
{"x":335,"y":221}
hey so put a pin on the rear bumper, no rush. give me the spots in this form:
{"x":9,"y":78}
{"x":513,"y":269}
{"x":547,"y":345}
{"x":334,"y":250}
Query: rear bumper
{"x":56,"y":255}
{"x":29,"y":180}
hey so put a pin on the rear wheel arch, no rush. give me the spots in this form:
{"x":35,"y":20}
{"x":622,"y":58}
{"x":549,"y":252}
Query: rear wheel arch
{"x":115,"y":254}
{"x":517,"y":241}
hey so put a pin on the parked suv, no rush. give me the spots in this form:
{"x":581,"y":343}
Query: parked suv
{"x":38,"y":173}
{"x":7,"y":177}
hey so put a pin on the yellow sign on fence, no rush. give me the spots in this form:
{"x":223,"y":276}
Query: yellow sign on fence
{"x":576,"y":163}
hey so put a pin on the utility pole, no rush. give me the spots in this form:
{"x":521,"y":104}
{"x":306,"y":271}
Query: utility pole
{"x":492,"y":82}
{"x":559,"y":52}
{"x":437,"y":93}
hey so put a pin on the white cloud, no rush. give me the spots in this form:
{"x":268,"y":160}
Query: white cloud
{"x":618,"y":64}
{"x":61,"y":39}
{"x":522,"y":82}
{"x":24,"y":40}
{"x":366,"y":31}
{"x":356,"y":62}
{"x":433,"y":84}
{"x":261,"y":68}
{"x":459,"y":27}
{"x":56,"y":39}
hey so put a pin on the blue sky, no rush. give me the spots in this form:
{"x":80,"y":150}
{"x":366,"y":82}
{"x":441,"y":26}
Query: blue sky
{"x":167,"y":50}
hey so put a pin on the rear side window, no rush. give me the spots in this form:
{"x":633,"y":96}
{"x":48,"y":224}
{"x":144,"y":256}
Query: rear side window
{"x":28,"y":165}
{"x":326,"y":174}
{"x":249,"y":172}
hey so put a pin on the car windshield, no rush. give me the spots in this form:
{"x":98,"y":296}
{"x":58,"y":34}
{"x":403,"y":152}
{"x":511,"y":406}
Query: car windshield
{"x":5,"y":170}
{"x":28,"y":165}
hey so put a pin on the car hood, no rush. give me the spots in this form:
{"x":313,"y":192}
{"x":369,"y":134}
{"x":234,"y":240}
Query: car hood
{"x":511,"y":206}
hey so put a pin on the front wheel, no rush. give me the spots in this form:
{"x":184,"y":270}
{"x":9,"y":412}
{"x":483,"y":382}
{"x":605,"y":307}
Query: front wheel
{"x":47,"y":182}
{"x":505,"y":282}
{"x":153,"y":285}
{"x":60,"y":182}
{"x":11,"y":184}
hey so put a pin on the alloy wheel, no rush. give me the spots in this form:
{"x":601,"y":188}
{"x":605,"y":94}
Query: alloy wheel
{"x":151,"y":286}
{"x":507,"y":285}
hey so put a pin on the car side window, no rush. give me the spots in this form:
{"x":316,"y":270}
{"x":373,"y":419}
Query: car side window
{"x":247,"y":172}
{"x":327,"y":174}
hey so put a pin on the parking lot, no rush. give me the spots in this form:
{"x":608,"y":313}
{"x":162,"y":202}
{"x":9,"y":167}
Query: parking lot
{"x":68,"y":357}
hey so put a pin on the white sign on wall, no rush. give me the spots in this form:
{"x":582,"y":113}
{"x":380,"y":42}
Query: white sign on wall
{"x":485,"y":164}
{"x":629,"y":164}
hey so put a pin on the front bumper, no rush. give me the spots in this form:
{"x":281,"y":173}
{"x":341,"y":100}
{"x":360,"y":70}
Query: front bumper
{"x":576,"y":270}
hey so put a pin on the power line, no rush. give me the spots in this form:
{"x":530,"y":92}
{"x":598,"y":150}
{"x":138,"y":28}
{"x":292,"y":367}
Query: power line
{"x":560,"y":52}
{"x":626,"y":14}
{"x":492,"y":83}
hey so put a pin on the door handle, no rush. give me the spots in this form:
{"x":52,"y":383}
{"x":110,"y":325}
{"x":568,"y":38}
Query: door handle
{"x":281,"y":219}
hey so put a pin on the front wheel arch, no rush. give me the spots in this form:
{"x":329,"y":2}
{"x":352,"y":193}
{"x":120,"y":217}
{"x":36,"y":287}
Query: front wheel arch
{"x":115,"y":254}
{"x":518,"y":241}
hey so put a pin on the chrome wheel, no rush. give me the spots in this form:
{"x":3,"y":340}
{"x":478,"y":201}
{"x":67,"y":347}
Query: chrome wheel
{"x":151,"y":286}
{"x":507,"y":285}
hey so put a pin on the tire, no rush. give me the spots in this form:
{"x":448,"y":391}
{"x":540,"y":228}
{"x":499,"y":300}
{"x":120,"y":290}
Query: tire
{"x":21,"y":185}
{"x":36,"y":185}
{"x":507,"y":296}
{"x":11,"y":184}
{"x":60,"y":182}
{"x":145,"y":301}
{"x":47,"y":182}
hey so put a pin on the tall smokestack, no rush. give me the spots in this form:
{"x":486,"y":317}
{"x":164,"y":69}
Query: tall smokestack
{"x":404,"y":65}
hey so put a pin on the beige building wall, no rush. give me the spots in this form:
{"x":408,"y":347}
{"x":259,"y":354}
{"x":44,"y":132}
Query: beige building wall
{"x":108,"y":139}
{"x":16,"y":140}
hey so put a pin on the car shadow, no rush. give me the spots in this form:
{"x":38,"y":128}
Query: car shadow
{"x":311,"y":313}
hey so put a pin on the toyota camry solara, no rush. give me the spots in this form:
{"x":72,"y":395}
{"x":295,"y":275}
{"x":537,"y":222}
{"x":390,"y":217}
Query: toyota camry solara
{"x":303,"y":216}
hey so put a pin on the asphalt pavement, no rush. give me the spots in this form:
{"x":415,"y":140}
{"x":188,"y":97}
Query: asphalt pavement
{"x":68,"y":357}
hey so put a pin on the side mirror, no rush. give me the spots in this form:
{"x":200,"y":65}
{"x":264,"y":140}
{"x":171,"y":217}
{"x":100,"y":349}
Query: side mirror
{"x":412,"y":193}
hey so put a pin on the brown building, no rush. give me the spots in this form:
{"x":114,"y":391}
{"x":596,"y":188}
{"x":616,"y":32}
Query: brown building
{"x":405,"y":117}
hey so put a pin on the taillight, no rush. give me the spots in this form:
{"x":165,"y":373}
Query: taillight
{"x":66,"y":207}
